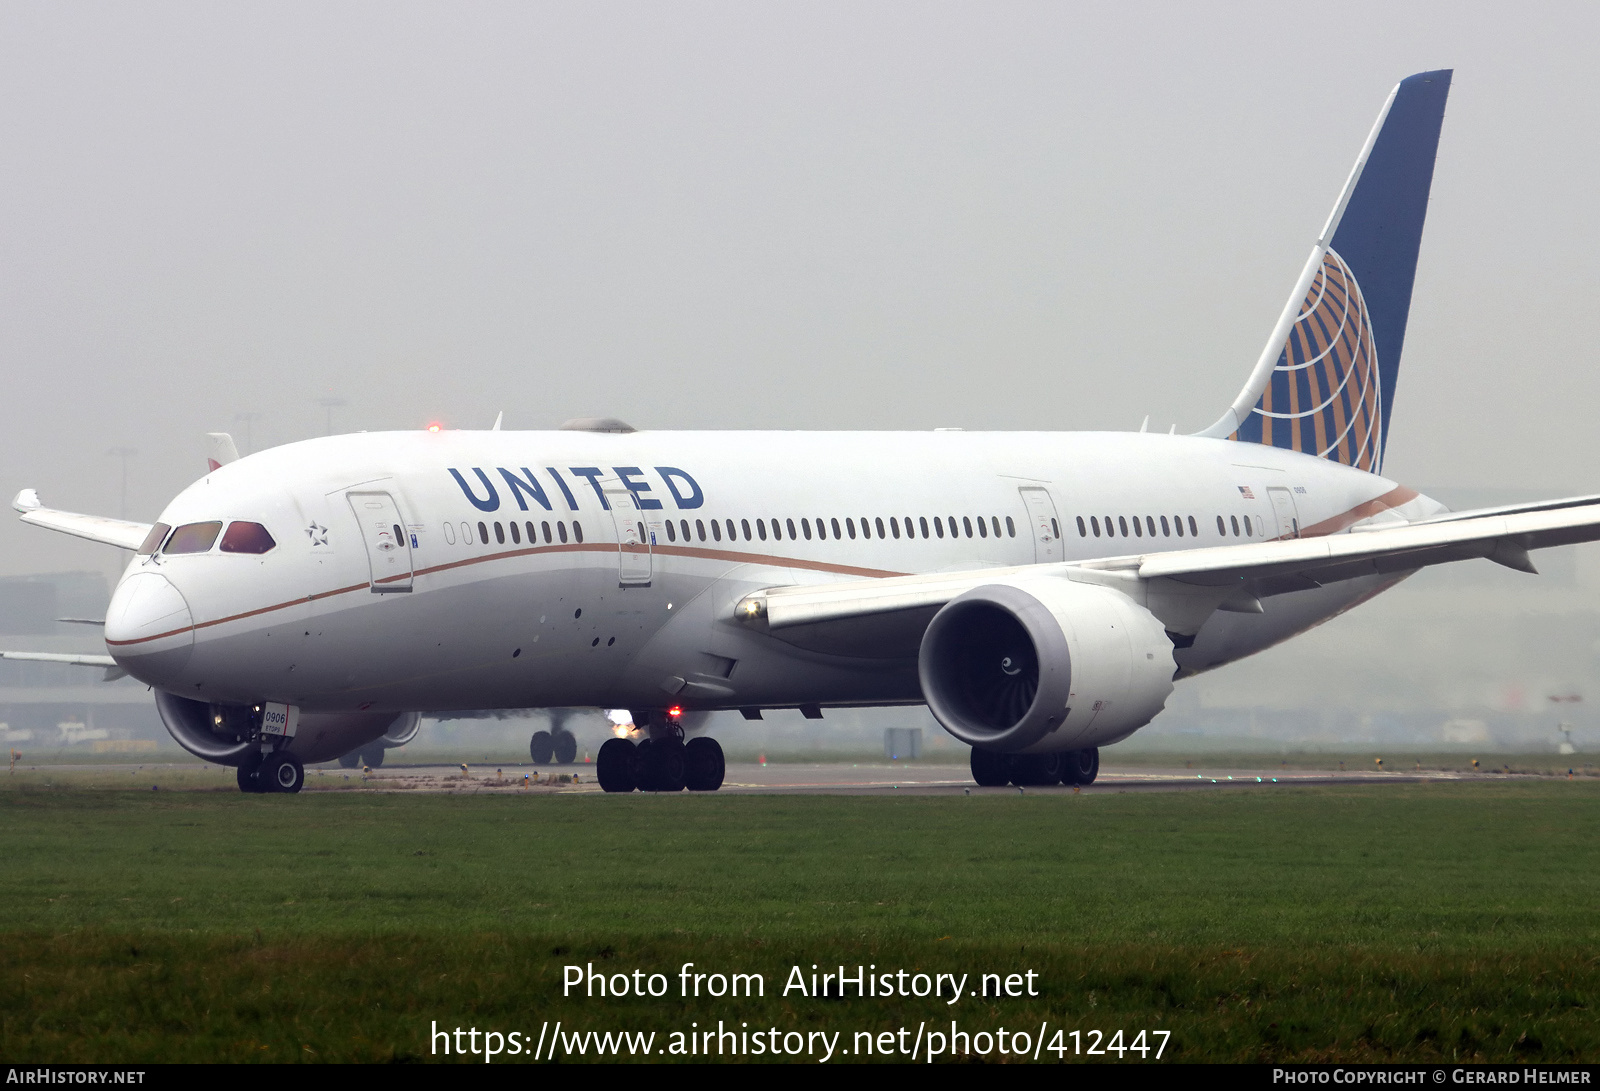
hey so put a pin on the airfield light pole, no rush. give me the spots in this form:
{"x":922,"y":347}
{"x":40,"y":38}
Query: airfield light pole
{"x":330,"y":404}
{"x":248,"y":419}
{"x":124,"y":453}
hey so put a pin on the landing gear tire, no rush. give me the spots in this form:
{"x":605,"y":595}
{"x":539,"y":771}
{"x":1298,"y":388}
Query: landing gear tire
{"x":281,"y":772}
{"x":247,"y":770}
{"x":566,"y":747}
{"x":990,"y":768}
{"x":372,"y":756}
{"x":1035,"y":770}
{"x":1080,"y":766}
{"x":541,"y":748}
{"x":703,"y":765}
{"x":616,"y":766}
{"x":351,"y":760}
{"x":663,"y":763}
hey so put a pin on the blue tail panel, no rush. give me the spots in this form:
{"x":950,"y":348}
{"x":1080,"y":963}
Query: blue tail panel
{"x":1332,"y":389}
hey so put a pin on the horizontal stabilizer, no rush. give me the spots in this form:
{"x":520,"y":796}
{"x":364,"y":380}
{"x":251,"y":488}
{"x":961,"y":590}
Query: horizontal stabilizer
{"x":113,"y":672}
{"x":96,"y":528}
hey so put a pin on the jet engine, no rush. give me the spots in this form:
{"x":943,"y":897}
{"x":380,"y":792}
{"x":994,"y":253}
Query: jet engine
{"x":222,"y":733}
{"x":1044,"y":665}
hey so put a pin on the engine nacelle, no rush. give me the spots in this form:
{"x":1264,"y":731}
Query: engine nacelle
{"x":1044,"y":665}
{"x":221,"y":733}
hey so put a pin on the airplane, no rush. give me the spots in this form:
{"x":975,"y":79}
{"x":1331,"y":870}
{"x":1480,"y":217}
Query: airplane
{"x":1040,"y":592}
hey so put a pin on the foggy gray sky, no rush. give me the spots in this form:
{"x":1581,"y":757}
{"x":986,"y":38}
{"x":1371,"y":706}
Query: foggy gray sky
{"x":777,"y":216}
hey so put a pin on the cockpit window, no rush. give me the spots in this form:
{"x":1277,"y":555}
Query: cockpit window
{"x":152,"y":541}
{"x":193,"y":538}
{"x":247,"y":538}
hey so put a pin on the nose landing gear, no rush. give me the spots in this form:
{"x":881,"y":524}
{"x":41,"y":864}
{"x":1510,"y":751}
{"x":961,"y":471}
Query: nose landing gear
{"x":278,"y":771}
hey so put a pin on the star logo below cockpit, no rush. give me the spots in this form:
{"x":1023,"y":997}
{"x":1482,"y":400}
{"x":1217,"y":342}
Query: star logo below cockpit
{"x":318,"y":534}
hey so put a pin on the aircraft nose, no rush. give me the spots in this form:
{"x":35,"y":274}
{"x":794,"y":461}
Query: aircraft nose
{"x":149,"y":629}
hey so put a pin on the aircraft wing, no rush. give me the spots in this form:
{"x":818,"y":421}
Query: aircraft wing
{"x":113,"y":672}
{"x":890,"y":613}
{"x":96,"y":528}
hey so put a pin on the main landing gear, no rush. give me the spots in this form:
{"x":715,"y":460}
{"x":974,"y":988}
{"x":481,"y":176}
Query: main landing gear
{"x":560,"y":746}
{"x":371,"y":757}
{"x":663,"y":762}
{"x":278,"y":771}
{"x":993,"y":769}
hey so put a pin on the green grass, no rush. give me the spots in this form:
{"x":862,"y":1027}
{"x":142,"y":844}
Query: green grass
{"x":1404,"y":921}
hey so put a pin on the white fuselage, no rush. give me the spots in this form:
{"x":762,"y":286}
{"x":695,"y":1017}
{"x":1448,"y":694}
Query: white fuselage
{"x":462,"y":612}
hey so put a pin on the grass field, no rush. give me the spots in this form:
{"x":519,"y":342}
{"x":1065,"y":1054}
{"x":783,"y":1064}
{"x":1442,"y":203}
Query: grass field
{"x":1430,"y":921}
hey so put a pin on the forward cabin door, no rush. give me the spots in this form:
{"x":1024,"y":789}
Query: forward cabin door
{"x":1046,"y":526}
{"x":1288,"y":516}
{"x":383,"y":533}
{"x":633,"y":539}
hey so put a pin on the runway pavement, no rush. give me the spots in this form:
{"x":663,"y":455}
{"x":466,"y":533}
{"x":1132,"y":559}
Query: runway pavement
{"x":769,"y":778}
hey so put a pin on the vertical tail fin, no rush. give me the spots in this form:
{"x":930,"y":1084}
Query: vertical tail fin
{"x":1325,"y":383}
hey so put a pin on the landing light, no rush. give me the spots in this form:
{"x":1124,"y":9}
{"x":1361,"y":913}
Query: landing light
{"x":433,"y":427}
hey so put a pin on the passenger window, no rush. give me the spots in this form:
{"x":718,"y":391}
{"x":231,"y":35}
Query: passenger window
{"x":1234,"y":519}
{"x":500,"y":534}
{"x":483,"y":533}
{"x":700,"y":528}
{"x":533,"y":535}
{"x":672,"y":535}
{"x":548,"y":536}
{"x":922,"y":520}
{"x":1165,"y":533}
{"x":716,"y":530}
{"x":516,"y":534}
{"x":1248,"y":533}
{"x":1194,"y":531}
{"x":193,"y":538}
{"x":894,"y":527}
{"x":247,"y":538}
{"x":938,"y":526}
{"x":850,"y":527}
{"x":733,"y":534}
{"x":466,"y":533}
{"x":561,"y":531}
{"x":1150,"y":525}
{"x":577,"y":531}
{"x":983,"y":528}
{"x":745,"y":523}
{"x":994,"y":521}
{"x":1011,"y":528}
{"x":1094,"y":523}
{"x":1221,"y":528}
{"x":1111,"y":528}
{"x":790,"y":524}
{"x":1122,"y":525}
{"x":152,"y":541}
{"x":761,"y":528}
{"x":805,"y":528}
{"x":834,"y":523}
{"x":683,"y":524}
{"x":1138,"y":530}
{"x":449,"y":534}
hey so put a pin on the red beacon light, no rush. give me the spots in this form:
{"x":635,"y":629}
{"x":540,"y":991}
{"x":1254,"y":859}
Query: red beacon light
{"x":674,"y":712}
{"x":433,"y":427}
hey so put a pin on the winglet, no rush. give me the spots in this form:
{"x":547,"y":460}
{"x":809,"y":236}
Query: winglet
{"x":27,"y":500}
{"x":219,"y":450}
